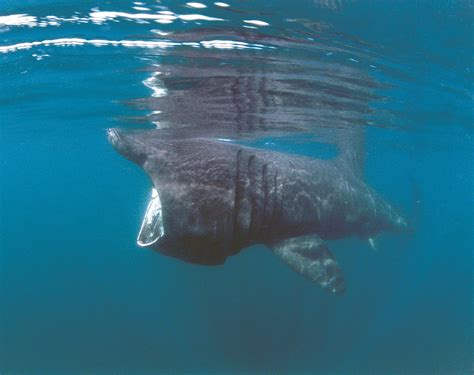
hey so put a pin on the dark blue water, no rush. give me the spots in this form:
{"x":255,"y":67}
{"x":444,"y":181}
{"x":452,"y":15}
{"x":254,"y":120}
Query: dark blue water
{"x":76,"y":293}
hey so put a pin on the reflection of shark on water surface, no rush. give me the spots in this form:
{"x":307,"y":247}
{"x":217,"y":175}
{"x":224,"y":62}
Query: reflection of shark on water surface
{"x":213,"y":198}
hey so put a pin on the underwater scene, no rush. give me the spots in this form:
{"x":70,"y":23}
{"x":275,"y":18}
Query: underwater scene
{"x":238,"y":187}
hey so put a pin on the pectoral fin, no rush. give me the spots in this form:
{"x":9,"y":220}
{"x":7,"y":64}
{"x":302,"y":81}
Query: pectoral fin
{"x":310,"y":257}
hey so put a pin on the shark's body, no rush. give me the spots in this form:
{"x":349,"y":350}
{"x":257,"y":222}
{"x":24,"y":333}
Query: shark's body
{"x":214,"y":198}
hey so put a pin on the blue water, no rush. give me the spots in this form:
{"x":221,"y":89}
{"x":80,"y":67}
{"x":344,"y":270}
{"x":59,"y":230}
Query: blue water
{"x":78,"y":296}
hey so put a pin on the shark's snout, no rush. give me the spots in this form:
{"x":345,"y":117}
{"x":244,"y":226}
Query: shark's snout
{"x":113,"y":136}
{"x":128,"y":144}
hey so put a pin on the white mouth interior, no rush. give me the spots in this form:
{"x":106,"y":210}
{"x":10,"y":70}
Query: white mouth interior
{"x":152,"y":226}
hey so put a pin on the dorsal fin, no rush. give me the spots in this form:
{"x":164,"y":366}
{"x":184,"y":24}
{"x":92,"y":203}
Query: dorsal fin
{"x":351,"y":145}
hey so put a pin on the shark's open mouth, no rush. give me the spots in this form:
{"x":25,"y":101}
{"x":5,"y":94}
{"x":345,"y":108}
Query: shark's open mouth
{"x":152,"y":228}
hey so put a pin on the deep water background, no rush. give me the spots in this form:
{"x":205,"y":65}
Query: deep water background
{"x":78,"y":296}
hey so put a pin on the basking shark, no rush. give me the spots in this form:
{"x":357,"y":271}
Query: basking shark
{"x":212,"y":198}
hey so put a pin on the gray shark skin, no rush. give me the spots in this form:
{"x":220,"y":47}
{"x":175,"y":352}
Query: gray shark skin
{"x":217,"y":198}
